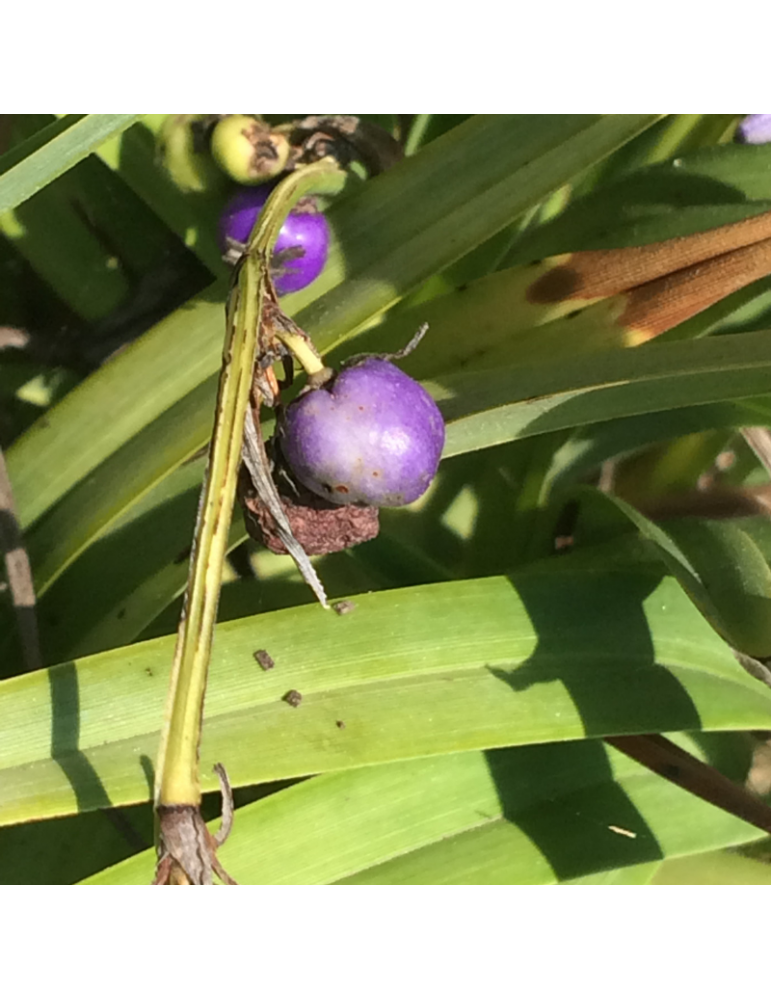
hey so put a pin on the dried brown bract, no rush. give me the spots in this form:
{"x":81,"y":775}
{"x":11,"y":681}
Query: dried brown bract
{"x":320,"y":527}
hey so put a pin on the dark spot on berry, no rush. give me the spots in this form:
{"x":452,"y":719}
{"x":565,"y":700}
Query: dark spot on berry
{"x":263,"y":657}
{"x":375,"y":473}
{"x":361,"y":408}
{"x":341,"y":489}
{"x":292,"y":698}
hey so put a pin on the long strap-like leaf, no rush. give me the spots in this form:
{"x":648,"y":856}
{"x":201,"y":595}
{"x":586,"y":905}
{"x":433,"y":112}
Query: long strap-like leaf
{"x":59,"y":153}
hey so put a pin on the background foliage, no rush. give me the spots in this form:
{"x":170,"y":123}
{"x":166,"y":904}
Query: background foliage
{"x":451,"y":726}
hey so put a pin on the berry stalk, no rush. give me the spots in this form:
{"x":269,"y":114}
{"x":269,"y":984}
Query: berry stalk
{"x":178,"y":792}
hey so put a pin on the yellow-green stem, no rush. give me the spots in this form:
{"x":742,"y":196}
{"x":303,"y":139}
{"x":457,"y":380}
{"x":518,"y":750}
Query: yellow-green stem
{"x":304,"y":353}
{"x":177,"y":779}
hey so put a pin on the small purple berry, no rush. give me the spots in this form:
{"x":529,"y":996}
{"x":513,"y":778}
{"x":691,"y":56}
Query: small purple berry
{"x":302,"y":246}
{"x":371,"y":435}
{"x":754,"y":130}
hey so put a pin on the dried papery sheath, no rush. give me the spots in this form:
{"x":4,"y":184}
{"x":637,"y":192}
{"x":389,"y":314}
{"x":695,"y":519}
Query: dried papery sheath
{"x":187,"y":852}
{"x":258,"y":467}
{"x":345,"y":138}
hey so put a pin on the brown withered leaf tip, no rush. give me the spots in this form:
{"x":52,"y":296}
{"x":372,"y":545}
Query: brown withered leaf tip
{"x":265,"y":660}
{"x":320,"y":527}
{"x":293,"y":698}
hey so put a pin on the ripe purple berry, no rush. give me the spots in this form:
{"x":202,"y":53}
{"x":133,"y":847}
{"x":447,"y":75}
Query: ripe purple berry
{"x":754,"y":130}
{"x":371,"y":435}
{"x":301,"y":248}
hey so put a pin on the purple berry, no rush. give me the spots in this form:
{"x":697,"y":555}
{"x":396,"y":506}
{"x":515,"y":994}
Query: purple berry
{"x":302,"y":245}
{"x":754,"y":129}
{"x":370,"y":435}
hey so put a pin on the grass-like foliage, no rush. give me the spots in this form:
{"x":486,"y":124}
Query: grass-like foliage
{"x":587,"y":573}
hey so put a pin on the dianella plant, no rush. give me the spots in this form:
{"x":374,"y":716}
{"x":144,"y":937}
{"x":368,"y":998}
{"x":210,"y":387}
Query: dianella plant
{"x":385,"y":499}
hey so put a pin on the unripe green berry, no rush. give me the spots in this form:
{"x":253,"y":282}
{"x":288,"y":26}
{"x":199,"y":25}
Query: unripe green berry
{"x":247,"y":150}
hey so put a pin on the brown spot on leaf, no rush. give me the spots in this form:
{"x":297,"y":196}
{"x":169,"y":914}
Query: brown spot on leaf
{"x":265,"y":660}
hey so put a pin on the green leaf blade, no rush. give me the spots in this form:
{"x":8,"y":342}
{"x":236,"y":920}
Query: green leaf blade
{"x":57,"y":156}
{"x":468,"y":665}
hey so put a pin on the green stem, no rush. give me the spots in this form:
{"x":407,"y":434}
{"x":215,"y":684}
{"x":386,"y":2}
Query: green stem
{"x":303,"y":351}
{"x":177,"y":770}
